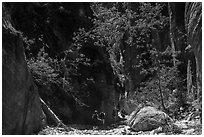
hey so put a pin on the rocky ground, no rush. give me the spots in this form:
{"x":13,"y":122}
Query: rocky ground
{"x":183,"y":128}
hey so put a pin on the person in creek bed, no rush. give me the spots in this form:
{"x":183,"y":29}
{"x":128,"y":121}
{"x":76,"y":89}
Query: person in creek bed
{"x":98,"y":119}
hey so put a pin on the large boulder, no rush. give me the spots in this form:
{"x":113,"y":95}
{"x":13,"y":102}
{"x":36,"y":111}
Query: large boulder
{"x":21,"y":108}
{"x":147,"y":118}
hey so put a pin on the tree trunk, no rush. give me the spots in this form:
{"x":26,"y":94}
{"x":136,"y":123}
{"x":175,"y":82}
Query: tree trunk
{"x":160,"y":89}
{"x":189,"y":78}
{"x":161,"y":94}
{"x":52,"y":115}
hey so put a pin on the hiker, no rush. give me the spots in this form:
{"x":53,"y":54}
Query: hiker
{"x":115,"y":114}
{"x":102,"y":117}
{"x":95,"y":118}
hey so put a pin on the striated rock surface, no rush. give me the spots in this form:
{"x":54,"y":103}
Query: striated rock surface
{"x":21,"y":109}
{"x":148,"y":118}
{"x":179,"y":37}
{"x":177,"y":25}
{"x":193,"y":15}
{"x":193,"y":23}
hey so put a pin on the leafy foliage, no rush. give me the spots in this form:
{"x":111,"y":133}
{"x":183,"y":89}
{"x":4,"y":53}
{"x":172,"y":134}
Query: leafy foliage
{"x":165,"y":78}
{"x":114,"y":27}
{"x":47,"y":72}
{"x":117,"y":28}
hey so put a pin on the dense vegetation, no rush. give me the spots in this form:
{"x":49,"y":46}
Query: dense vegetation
{"x":122,"y":40}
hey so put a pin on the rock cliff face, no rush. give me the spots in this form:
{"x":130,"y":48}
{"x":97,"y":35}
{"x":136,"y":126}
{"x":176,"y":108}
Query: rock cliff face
{"x":193,"y":23}
{"x":52,"y":25}
{"x":103,"y":93}
{"x":21,"y":108}
{"x":193,"y":16}
{"x":178,"y":33}
{"x":186,"y":19}
{"x":177,"y":25}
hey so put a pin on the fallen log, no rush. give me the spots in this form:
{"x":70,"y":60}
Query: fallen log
{"x":48,"y":112}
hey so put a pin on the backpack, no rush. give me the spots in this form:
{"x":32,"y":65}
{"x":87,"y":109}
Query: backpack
{"x":102,"y":115}
{"x":95,"y":116}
